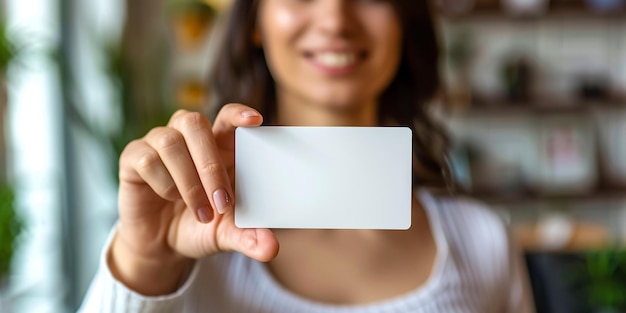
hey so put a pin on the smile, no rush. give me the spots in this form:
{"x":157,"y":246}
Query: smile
{"x":335,"y":59}
{"x":336,"y":62}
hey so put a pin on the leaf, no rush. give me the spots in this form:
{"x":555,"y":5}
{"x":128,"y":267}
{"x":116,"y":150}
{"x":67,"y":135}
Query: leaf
{"x":10,"y":228}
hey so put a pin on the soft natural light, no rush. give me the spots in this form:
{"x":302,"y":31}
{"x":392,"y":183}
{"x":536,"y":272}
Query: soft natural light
{"x":36,"y":161}
{"x":35,"y":107}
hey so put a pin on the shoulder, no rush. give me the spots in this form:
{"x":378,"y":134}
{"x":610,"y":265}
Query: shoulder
{"x":472,"y":221}
{"x":477,"y":236}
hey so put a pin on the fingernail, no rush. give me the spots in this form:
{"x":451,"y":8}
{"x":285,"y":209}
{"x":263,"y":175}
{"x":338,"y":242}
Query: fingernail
{"x":204,"y":215}
{"x":249,"y":113}
{"x":222,"y":201}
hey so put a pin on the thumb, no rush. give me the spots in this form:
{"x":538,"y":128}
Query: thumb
{"x":257,"y":243}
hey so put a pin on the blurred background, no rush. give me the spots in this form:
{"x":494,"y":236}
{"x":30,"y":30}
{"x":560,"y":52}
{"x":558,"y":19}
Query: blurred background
{"x":535,"y":103}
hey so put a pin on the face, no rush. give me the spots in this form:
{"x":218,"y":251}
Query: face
{"x":336,"y":53}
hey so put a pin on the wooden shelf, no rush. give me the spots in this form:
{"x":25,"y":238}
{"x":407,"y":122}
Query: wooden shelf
{"x":601,"y":194}
{"x":536,"y":108}
{"x":574,"y":12}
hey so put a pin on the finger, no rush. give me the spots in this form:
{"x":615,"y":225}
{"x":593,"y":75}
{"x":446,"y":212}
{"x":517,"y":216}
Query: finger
{"x":230,"y":117}
{"x":205,"y":151}
{"x":172,"y":150}
{"x":198,"y":135}
{"x":257,"y":243}
{"x":149,"y":166}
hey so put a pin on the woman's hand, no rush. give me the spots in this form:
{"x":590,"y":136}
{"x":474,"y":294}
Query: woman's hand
{"x":176,"y":201}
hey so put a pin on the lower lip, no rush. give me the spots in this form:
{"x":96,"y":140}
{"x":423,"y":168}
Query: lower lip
{"x":335,"y":71}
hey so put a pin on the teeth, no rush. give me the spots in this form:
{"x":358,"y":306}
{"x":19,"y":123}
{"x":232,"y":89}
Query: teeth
{"x":333,"y":59}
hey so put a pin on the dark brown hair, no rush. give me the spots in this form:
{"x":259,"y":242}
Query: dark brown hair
{"x":240,"y":74}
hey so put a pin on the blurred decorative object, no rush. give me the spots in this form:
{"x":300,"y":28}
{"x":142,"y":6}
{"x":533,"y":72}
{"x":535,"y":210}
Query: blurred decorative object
{"x":606,"y":6}
{"x":593,"y":87}
{"x":192,"y":22}
{"x":566,"y":155}
{"x":611,"y":130}
{"x":525,"y":7}
{"x":459,"y":54}
{"x":495,"y":175}
{"x":495,"y":165}
{"x":219,"y":5}
{"x":192,"y":95}
{"x":559,"y":232}
{"x":492,"y":154}
{"x":555,"y":231}
{"x":517,"y":75}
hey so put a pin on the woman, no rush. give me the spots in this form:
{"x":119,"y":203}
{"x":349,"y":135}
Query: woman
{"x":303,"y":62}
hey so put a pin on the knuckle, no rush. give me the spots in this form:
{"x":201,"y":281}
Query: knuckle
{"x":195,"y":192}
{"x":147,"y":161}
{"x":170,"y":191}
{"x":210,"y":168}
{"x":227,"y":110}
{"x":193,"y":121}
{"x":177,"y":114}
{"x":230,"y":106}
{"x":168,"y":139}
{"x":128,"y":150}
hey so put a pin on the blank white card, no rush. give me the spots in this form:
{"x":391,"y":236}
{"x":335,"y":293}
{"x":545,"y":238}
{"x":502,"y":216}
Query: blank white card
{"x":323,"y":177}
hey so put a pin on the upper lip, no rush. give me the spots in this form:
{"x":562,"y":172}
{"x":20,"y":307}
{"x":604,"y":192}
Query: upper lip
{"x":334,"y":49}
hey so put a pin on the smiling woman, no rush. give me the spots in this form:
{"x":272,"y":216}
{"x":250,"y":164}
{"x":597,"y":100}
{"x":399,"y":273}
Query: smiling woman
{"x":338,"y":55}
{"x":395,"y":55}
{"x":303,"y":63}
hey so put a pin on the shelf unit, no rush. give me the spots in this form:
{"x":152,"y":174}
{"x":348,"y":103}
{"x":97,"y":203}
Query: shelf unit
{"x":541,"y":108}
{"x":598,"y":194}
{"x":599,"y":210}
{"x":576,"y":11}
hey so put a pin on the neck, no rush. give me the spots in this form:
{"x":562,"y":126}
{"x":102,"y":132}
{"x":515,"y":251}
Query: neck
{"x":295,"y":111}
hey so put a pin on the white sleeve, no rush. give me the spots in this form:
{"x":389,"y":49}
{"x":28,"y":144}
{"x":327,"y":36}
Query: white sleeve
{"x":520,"y":299}
{"x":107,"y":295}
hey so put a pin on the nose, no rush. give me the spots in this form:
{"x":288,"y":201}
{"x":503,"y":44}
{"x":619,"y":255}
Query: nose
{"x":336,"y":17}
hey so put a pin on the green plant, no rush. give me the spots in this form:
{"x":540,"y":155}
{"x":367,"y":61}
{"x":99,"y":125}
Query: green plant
{"x":10,"y":223}
{"x":10,"y":228}
{"x":8,"y":50}
{"x":605,"y":278}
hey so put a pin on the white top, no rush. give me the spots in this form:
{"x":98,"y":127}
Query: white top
{"x":476,"y":270}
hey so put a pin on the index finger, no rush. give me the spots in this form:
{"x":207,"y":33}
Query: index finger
{"x":200,"y":142}
{"x":230,"y":117}
{"x":204,"y":143}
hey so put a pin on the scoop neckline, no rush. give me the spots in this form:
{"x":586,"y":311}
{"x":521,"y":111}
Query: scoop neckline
{"x":429,"y":204}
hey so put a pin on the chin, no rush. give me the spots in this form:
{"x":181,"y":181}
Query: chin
{"x":342,"y":105}
{"x":342,"y":100}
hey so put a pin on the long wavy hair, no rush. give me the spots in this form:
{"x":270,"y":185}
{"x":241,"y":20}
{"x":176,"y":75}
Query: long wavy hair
{"x":240,"y":74}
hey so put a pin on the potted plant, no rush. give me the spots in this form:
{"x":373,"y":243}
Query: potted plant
{"x":7,"y":55}
{"x":606,"y":279}
{"x":10,"y":223}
